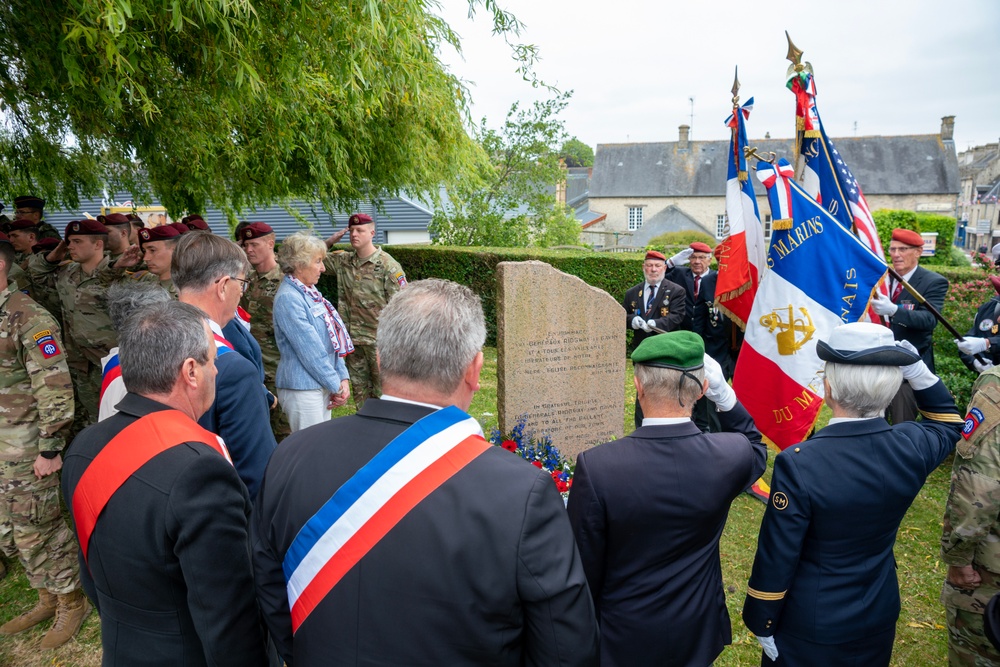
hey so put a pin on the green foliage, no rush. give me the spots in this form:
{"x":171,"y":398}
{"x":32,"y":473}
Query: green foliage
{"x":575,"y":153}
{"x":232,"y":102}
{"x":679,"y":240}
{"x":886,"y":220}
{"x":509,"y":200}
{"x":476,"y":268}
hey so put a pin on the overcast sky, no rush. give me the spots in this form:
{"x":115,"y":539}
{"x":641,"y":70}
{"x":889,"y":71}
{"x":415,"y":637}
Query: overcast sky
{"x":891,"y":68}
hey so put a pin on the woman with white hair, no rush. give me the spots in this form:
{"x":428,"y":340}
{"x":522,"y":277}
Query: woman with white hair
{"x":823,"y":590}
{"x":312,"y":340}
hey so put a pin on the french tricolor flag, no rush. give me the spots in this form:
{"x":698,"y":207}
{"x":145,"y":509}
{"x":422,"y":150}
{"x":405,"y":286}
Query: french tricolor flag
{"x":742,"y":253}
{"x":819,"y":276}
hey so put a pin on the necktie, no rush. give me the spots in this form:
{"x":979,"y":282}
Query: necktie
{"x":652,"y":295}
{"x":897,"y":291}
{"x":697,"y":286}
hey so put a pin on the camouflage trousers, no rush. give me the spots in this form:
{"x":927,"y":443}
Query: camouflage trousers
{"x":86,"y":394}
{"x":279,"y":422}
{"x":32,"y":528}
{"x":363,"y":367}
{"x":967,"y":642}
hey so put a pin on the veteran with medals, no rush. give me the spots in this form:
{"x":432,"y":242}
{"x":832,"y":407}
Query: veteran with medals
{"x":823,"y":589}
{"x":653,"y":306}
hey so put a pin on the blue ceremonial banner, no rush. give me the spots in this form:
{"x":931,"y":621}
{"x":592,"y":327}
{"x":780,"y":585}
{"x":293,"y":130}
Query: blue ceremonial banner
{"x":820,"y":276}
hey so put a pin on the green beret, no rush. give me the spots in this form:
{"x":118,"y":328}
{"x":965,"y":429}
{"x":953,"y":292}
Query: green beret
{"x":679,"y":350}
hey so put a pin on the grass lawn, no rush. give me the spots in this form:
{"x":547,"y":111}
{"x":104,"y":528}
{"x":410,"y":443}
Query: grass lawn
{"x":921,"y":638}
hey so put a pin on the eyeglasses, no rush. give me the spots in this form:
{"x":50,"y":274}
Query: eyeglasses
{"x":654,"y":265}
{"x":901,"y":248}
{"x":24,"y":211}
{"x":244,"y":283}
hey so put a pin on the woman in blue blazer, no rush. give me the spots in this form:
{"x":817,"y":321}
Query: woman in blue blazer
{"x":312,"y":340}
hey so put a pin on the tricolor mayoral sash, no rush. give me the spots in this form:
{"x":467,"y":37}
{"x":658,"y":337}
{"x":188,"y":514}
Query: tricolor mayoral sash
{"x":133,"y":447}
{"x":376,"y":498}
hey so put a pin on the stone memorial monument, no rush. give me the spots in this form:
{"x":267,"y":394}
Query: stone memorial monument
{"x":560,"y":356}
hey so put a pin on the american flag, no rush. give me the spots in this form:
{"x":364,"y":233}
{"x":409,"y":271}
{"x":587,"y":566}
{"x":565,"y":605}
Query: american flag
{"x":825,"y":174}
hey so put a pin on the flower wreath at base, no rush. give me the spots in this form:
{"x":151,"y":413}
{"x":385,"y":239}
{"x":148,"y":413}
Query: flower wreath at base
{"x":537,"y":450}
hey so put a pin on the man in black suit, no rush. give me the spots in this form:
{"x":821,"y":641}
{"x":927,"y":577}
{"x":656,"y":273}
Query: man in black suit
{"x":691,"y":271}
{"x":653,"y":306}
{"x":983,"y":338}
{"x":909,"y":319}
{"x":399,"y":536}
{"x":160,"y":513}
{"x":648,"y":510}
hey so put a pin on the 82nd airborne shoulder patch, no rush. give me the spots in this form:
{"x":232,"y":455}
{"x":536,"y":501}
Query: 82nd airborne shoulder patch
{"x":400,"y":278}
{"x":972,"y":422}
{"x":46,"y":343}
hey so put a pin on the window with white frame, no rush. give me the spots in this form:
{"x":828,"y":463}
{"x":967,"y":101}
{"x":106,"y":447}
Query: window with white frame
{"x":721,"y":226}
{"x":634,"y":218}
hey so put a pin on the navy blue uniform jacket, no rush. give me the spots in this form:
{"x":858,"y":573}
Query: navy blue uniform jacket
{"x":667,"y":309}
{"x":913,"y":321}
{"x":169,"y":562}
{"x":824,"y":570}
{"x":647,"y":512}
{"x":483,"y":571}
{"x":702,"y":318}
{"x":240,"y":415}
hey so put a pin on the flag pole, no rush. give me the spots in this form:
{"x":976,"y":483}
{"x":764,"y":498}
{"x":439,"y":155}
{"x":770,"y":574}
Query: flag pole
{"x":934,"y":311}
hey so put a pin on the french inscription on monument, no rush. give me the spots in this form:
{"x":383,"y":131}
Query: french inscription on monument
{"x":560,"y":356}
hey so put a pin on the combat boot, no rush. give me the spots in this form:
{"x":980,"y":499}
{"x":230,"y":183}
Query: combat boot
{"x":44,"y":610}
{"x":71,"y":610}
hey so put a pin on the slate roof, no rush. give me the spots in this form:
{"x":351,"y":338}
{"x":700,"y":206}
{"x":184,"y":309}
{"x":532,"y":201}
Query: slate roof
{"x":916,"y":164}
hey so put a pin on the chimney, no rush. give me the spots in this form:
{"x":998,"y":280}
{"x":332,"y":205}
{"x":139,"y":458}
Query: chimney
{"x":682,"y":142}
{"x":948,"y":128}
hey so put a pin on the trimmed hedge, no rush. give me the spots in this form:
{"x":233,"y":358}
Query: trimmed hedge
{"x":616,"y":272}
{"x":887,"y":219}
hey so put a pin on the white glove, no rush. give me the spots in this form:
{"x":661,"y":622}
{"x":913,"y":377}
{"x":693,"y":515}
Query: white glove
{"x":638,"y":322}
{"x":770,"y":650}
{"x":648,"y":326}
{"x":681,"y":258}
{"x":884,"y":306}
{"x":972,"y":345}
{"x":917,"y":373}
{"x":719,"y":391}
{"x":982,"y":366}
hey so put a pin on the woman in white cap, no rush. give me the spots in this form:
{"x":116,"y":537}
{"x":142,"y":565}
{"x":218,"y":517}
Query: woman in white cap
{"x":823,"y":590}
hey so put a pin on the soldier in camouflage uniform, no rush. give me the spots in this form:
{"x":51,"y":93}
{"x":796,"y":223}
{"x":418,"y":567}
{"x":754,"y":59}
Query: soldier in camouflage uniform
{"x":82,"y":285}
{"x":970,"y":545}
{"x":31,"y":208}
{"x":36,"y":403}
{"x":265,"y":278}
{"x":156,"y":248}
{"x":367,"y":278}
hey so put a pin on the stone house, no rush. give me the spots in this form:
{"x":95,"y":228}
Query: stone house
{"x":641,"y":190}
{"x":978,"y":212}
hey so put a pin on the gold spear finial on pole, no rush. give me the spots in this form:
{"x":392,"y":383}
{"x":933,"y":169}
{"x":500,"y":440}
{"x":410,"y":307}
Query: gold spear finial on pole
{"x":736,"y":88}
{"x":794,"y":54}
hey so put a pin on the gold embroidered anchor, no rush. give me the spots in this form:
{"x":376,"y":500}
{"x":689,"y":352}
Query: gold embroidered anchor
{"x":787,"y":343}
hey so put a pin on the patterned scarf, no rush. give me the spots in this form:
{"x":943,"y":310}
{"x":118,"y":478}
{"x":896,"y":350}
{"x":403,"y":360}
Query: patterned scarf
{"x":342,"y":344}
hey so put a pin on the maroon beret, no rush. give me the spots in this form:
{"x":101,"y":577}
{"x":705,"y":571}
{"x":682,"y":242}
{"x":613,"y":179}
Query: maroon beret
{"x":84,"y":228}
{"x":4,"y":239}
{"x":161,"y":233}
{"x":45,"y":245}
{"x":28,"y":201}
{"x":179,"y":226}
{"x":359,"y":219}
{"x":115,"y":219}
{"x":908,"y":236}
{"x":255,"y":230}
{"x":22,"y":223}
{"x":196,"y":224}
{"x":698,"y":246}
{"x":652,"y":254}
